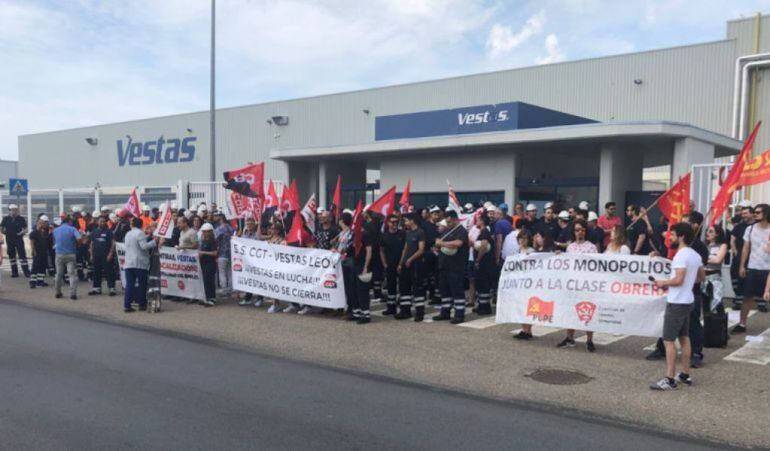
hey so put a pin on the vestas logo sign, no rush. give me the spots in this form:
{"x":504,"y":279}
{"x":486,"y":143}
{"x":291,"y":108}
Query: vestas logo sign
{"x":156,"y":152}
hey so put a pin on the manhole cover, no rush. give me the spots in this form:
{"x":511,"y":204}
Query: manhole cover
{"x":555,"y":376}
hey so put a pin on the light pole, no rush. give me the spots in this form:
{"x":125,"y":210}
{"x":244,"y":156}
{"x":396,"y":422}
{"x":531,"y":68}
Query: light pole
{"x":212,"y":112}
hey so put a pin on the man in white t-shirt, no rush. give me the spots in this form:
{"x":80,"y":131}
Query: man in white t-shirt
{"x":755,"y":262}
{"x":687,"y":269}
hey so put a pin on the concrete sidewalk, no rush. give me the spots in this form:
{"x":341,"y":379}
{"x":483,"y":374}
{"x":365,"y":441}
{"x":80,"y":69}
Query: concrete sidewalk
{"x":729,"y":402}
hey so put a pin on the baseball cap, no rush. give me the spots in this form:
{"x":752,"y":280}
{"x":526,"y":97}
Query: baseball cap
{"x":503,"y":206}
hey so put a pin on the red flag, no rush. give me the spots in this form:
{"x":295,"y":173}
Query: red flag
{"x":132,"y":205}
{"x":296,"y":234}
{"x":248,"y":181}
{"x":404,"y":201}
{"x":358,"y":228}
{"x":733,"y":180}
{"x":454,"y":203}
{"x":337,"y":198}
{"x":308,"y":212}
{"x":675,"y":203}
{"x":757,"y":170}
{"x":272,"y":198}
{"x":385,"y":204}
{"x":290,"y":198}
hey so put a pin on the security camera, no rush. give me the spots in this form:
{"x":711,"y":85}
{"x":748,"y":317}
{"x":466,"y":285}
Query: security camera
{"x":92,"y":141}
{"x":280,"y":120}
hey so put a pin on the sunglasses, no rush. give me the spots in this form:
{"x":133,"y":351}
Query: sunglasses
{"x":758,"y":212}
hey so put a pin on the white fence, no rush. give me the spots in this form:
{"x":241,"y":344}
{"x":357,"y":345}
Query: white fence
{"x":705,"y":183}
{"x":215,"y":192}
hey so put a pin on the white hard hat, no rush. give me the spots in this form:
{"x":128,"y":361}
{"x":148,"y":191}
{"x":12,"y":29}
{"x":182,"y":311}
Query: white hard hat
{"x":320,"y":210}
{"x":348,"y":211}
{"x":365,"y":277}
{"x":113,"y":216}
{"x":592,"y":216}
{"x":442,"y":223}
{"x":490,"y":207}
{"x":487,"y":204}
{"x":145,"y":207}
{"x":57,"y":221}
{"x":564,"y":215}
{"x":531,"y":207}
{"x":583,"y":205}
{"x":207,"y":226}
{"x":13,"y":207}
{"x":76,"y":209}
{"x":188,"y":214}
{"x":105,"y":209}
{"x":435,"y":209}
{"x":95,"y":213}
{"x":745,"y":203}
{"x":548,"y":205}
{"x":468,"y":206}
{"x":44,"y":218}
{"x":202,"y":209}
{"x":174,"y":206}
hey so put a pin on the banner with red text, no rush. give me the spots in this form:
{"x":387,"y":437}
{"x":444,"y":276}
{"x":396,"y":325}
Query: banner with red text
{"x":295,"y":274}
{"x":596,"y":292}
{"x":180,"y":273}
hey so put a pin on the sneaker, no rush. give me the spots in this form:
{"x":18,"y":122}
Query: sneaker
{"x":523,"y":336}
{"x":403,"y":314}
{"x":390,"y":310}
{"x":684,"y":378}
{"x":364,"y":320}
{"x":738,"y":329}
{"x":209,"y":303}
{"x":656,"y":355}
{"x":696,"y":361}
{"x":258,"y":303}
{"x":59,"y":295}
{"x":244,"y":302}
{"x":590,"y":346}
{"x":441,"y":318}
{"x":418,"y":317}
{"x":290,"y":309}
{"x":566,"y":343}
{"x":273,"y":309}
{"x":128,"y":310}
{"x":304,"y":310}
{"x":73,"y":297}
{"x":664,"y":384}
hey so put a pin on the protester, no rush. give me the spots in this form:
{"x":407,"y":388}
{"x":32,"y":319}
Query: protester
{"x":755,"y":262}
{"x":736,"y":248}
{"x":251,"y":232}
{"x":410,"y":274}
{"x":362,"y":278}
{"x":713,"y":288}
{"x":391,"y":248}
{"x":137,"y":244}
{"x":525,"y":248}
{"x":579,"y":246}
{"x":530,"y":220}
{"x":430,"y":261}
{"x":565,"y":231}
{"x":222,"y":235}
{"x":542,"y":242}
{"x":66,"y":239}
{"x":617,"y":241}
{"x":511,"y":242}
{"x":594,"y":234}
{"x":453,"y":247}
{"x":102,"y":253}
{"x":609,"y":220}
{"x":687,"y":271}
{"x":188,"y":237}
{"x":208,"y":253}
{"x":637,"y":235}
{"x":14,"y":227}
{"x":41,"y":243}
{"x":276,"y":236}
{"x":484,"y":265}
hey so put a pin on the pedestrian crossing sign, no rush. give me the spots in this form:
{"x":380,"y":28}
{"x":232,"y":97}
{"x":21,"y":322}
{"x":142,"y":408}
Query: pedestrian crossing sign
{"x":18,"y":187}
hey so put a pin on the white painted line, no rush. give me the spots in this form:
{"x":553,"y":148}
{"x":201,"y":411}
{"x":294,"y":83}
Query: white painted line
{"x":539,"y":331}
{"x":755,"y":351}
{"x":481,"y":323}
{"x":602,"y":338}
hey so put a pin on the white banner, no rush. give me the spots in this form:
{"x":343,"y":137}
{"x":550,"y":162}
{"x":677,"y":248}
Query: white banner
{"x":165,"y":228}
{"x":120,"y":249}
{"x":305,"y":276}
{"x":597,"y":292}
{"x":180,"y":273}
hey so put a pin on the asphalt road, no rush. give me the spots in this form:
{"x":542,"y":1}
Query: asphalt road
{"x":76,"y":383}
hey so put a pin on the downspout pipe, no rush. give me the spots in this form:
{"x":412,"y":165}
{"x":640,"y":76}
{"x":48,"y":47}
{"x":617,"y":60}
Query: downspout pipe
{"x":745,"y":92}
{"x":737,"y":86}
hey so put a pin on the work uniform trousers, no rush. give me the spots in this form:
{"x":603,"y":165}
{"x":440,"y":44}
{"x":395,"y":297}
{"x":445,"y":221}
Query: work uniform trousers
{"x":361,"y":298}
{"x":16,"y":249}
{"x":430,"y":277}
{"x":452,"y":293}
{"x":411,"y":287}
{"x":485,"y":275}
{"x":209,"y":271}
{"x":391,"y":285}
{"x":103,"y":269}
{"x":39,"y":267}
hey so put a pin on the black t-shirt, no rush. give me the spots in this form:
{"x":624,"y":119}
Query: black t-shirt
{"x":565,"y":235}
{"x":174,"y":240}
{"x":121,"y":229}
{"x":431,"y":233}
{"x":738,"y":232}
{"x":13,"y":226}
{"x":549,"y":227}
{"x":488,"y":259}
{"x":208,"y":246}
{"x":457,"y":261}
{"x":639,"y":228}
{"x":413,"y":238}
{"x":596,"y":236}
{"x":530,"y":224}
{"x":392,"y":244}
{"x":360,"y":259}
{"x":41,"y":241}
{"x":324,"y":237}
{"x":102,"y":239}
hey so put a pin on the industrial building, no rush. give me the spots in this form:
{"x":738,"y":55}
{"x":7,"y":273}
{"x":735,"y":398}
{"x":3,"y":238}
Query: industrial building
{"x":571,"y":131}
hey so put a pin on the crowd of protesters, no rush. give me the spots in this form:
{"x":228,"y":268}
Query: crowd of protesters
{"x":432,"y":255}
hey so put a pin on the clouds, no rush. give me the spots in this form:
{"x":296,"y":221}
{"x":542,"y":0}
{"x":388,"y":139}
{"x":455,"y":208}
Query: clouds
{"x":85,"y":62}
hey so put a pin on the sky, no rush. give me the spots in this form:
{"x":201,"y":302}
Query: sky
{"x":74,"y":63}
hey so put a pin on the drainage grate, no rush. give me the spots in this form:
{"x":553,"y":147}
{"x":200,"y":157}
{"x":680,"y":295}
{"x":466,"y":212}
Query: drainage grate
{"x":555,"y":376}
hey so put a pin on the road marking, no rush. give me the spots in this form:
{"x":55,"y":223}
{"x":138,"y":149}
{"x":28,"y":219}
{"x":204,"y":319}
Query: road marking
{"x":481,"y":323}
{"x":753,"y":352}
{"x":603,"y":339}
{"x":538,"y":331}
{"x":733,"y":317}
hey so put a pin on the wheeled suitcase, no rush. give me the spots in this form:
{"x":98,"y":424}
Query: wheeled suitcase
{"x":715,"y":333}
